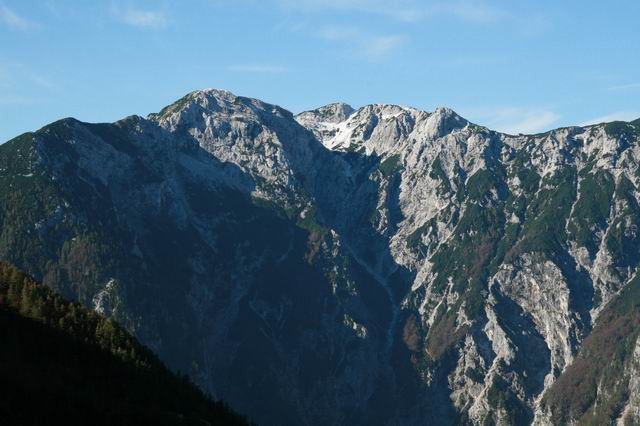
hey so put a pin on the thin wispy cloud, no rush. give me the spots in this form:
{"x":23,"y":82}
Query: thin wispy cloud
{"x":467,"y":11}
{"x":11,"y":99}
{"x":362,"y":43}
{"x":5,"y":80}
{"x":402,"y":10}
{"x":514,"y":120}
{"x":535,"y":122}
{"x":63,"y":10}
{"x":371,"y":43}
{"x":260,"y":68}
{"x":17,"y":80}
{"x":339,"y":33}
{"x":149,"y":19}
{"x":630,"y":86}
{"x":11,"y":19}
{"x":381,"y":46}
{"x":531,"y":26}
{"x":614,"y":116}
{"x":15,"y":74}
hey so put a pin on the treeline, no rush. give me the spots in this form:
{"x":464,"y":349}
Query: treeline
{"x":60,"y":362}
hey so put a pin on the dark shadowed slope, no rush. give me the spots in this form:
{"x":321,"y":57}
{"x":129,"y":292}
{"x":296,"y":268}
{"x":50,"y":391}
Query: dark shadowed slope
{"x":61,"y":362}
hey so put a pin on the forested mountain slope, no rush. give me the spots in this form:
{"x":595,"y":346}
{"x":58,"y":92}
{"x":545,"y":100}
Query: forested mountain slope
{"x":63,"y":364}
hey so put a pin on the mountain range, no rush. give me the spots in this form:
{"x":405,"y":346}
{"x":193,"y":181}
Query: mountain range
{"x":384,"y":265}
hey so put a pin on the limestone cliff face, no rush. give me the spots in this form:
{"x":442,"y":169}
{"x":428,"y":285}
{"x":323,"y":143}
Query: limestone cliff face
{"x":516,"y":242}
{"x":381,"y":265}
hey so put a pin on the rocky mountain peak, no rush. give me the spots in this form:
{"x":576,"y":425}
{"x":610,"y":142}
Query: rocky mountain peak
{"x":195,"y":108}
{"x":324,"y":121}
{"x":378,"y":128}
{"x":331,"y":113}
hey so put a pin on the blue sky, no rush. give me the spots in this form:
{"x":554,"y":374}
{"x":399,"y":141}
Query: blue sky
{"x":517,"y":66}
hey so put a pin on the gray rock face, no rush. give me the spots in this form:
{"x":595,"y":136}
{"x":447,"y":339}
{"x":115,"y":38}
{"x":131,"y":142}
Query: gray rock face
{"x":322,"y":121}
{"x":374,"y":266}
{"x":631,"y":412}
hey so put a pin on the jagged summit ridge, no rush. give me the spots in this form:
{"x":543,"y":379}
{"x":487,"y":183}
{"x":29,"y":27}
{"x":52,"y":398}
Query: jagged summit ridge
{"x":331,"y":113}
{"x":207,"y":102}
{"x":379,"y":128}
{"x":338,"y":125}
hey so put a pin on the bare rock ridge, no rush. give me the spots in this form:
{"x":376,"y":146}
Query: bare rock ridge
{"x":383,"y":265}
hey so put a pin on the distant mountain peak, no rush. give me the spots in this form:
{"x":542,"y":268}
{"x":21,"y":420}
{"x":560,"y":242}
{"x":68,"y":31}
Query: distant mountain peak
{"x":193,"y":109}
{"x":340,"y":127}
{"x":337,"y":125}
{"x":446,"y":120}
{"x":324,"y":121}
{"x":332,"y":113}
